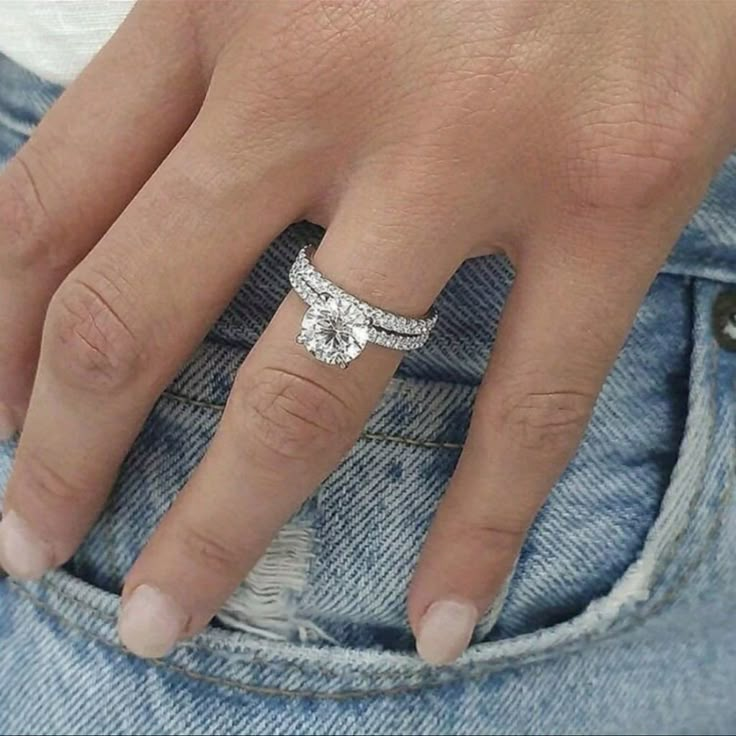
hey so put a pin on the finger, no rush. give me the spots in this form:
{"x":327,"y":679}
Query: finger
{"x":122,"y":323}
{"x":558,"y":337}
{"x":288,"y":422}
{"x":86,"y":160}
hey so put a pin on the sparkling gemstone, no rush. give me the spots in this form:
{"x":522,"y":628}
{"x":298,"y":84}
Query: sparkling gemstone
{"x":334,"y":330}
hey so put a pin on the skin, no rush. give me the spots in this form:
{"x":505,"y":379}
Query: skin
{"x":576,"y":137}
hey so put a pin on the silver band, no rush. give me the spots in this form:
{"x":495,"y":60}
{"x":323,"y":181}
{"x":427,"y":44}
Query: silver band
{"x":357,"y":321}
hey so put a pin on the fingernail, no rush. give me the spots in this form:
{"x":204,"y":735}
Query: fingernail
{"x":150,"y":623}
{"x":23,"y":554}
{"x":7,"y":424}
{"x":445,"y":631}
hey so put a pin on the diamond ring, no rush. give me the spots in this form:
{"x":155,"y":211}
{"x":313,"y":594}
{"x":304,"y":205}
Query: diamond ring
{"x":337,"y":326}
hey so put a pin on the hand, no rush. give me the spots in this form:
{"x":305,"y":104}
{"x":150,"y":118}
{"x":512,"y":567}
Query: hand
{"x":576,"y":137}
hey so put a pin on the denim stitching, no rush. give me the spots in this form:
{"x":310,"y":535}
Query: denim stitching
{"x":411,"y":442}
{"x":193,"y":402}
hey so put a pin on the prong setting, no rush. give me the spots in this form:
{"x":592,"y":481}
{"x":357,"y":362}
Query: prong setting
{"x":337,"y":326}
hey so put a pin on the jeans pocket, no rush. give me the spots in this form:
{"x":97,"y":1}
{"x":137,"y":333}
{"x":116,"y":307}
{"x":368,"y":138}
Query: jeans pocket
{"x":683,"y":527}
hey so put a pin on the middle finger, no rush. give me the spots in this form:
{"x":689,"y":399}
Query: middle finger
{"x":123,"y":322}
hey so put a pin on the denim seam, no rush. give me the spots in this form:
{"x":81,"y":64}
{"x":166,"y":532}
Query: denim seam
{"x":378,"y":436}
{"x":409,"y":442}
{"x":674,"y":546}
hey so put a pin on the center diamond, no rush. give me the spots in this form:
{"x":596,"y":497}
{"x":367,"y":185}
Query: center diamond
{"x":334,"y":330}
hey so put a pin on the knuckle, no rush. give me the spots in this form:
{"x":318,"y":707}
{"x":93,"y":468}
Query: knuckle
{"x":291,"y":417}
{"x":48,"y":487}
{"x":478,"y":529}
{"x":488,"y":533}
{"x":204,"y":549}
{"x":627,"y":161}
{"x":550,"y":423}
{"x":89,"y":342}
{"x":25,"y":223}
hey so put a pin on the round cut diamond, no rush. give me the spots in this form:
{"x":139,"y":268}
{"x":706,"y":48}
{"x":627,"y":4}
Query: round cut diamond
{"x":334,"y":330}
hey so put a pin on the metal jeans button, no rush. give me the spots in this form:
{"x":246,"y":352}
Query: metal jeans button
{"x":724,"y":320}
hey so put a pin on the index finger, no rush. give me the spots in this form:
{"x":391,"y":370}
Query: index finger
{"x":85,"y":161}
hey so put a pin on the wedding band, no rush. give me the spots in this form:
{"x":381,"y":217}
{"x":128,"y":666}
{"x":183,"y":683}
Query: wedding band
{"x":337,"y":325}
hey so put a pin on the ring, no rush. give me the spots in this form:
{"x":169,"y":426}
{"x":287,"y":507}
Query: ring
{"x":337,"y":326}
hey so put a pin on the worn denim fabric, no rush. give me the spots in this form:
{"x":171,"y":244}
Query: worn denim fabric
{"x":619,"y":617}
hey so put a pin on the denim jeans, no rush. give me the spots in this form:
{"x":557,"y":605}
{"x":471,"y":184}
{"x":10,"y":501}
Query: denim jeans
{"x":619,"y":617}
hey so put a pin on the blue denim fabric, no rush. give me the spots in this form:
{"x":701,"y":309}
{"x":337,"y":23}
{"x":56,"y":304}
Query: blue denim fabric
{"x":619,"y":617}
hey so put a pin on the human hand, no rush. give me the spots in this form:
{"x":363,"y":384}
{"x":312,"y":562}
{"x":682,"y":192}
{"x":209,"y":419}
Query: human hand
{"x":576,"y":137}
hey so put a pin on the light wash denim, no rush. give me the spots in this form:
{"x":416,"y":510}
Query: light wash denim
{"x":621,"y":614}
